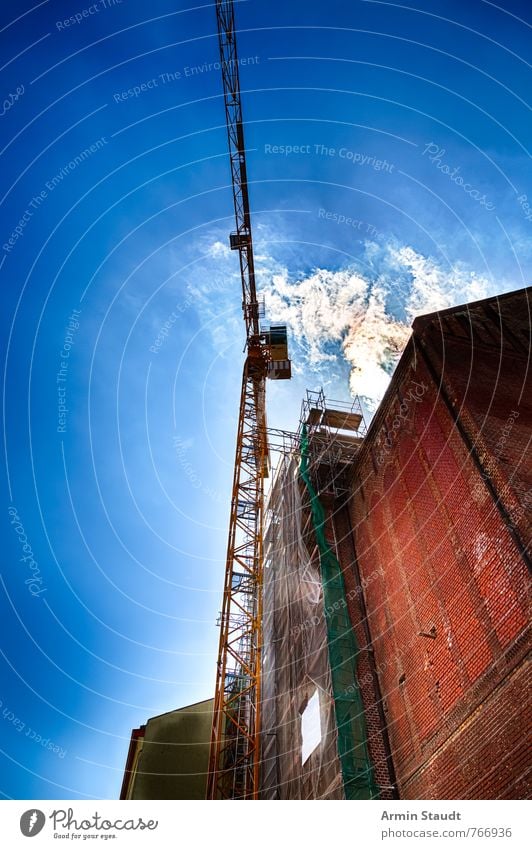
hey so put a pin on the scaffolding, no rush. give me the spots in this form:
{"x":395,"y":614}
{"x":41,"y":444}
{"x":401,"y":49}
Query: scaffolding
{"x":295,"y":663}
{"x":313,"y":736}
{"x":353,"y":751}
{"x":335,"y":431}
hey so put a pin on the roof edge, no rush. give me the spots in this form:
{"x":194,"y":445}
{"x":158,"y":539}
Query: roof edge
{"x":421,"y":321}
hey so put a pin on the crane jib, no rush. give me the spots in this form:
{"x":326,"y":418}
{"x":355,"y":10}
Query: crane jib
{"x":234,"y":762}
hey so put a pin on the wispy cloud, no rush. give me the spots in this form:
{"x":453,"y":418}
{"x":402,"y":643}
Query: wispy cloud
{"x":356,"y":318}
{"x":364,"y":313}
{"x":434,"y":287}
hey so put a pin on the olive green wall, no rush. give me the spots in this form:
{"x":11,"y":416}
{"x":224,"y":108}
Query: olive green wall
{"x":174,"y":759}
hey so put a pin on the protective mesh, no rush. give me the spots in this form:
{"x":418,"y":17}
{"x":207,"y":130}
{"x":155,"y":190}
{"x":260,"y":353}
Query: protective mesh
{"x":357,"y":771}
{"x":295,"y":656}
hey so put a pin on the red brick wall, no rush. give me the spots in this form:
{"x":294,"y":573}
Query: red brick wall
{"x":487,"y":758}
{"x":492,"y":390}
{"x":421,"y":512}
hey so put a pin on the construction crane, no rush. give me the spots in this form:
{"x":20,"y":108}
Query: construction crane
{"x":234,"y":765}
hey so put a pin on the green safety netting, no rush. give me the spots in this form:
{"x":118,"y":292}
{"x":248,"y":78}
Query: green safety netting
{"x":357,"y":770}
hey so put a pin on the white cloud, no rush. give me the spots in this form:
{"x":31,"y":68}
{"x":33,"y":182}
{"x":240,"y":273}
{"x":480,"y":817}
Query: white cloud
{"x":349,"y":314}
{"x":218,"y":249}
{"x":357,"y":317}
{"x":318,"y":309}
{"x":372,"y":347}
{"x":435,"y":288}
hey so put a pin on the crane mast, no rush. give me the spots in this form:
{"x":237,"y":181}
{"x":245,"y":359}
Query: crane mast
{"x":234,"y":764}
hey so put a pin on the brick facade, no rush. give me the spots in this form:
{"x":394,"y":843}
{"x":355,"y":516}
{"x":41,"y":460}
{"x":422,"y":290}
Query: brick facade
{"x":439,"y":507}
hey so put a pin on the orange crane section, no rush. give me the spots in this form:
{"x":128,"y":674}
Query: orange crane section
{"x":234,"y":765}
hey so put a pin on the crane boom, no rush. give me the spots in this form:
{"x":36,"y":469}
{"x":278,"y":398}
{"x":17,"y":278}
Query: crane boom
{"x":234,"y":763}
{"x":241,"y":240}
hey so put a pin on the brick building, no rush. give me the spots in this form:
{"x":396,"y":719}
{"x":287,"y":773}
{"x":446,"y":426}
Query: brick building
{"x":428,"y":517}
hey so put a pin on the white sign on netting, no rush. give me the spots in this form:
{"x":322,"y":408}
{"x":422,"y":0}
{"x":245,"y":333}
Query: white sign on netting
{"x":310,"y":727}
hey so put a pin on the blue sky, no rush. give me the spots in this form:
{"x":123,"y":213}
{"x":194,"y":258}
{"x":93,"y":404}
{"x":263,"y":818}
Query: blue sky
{"x":389,"y":175}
